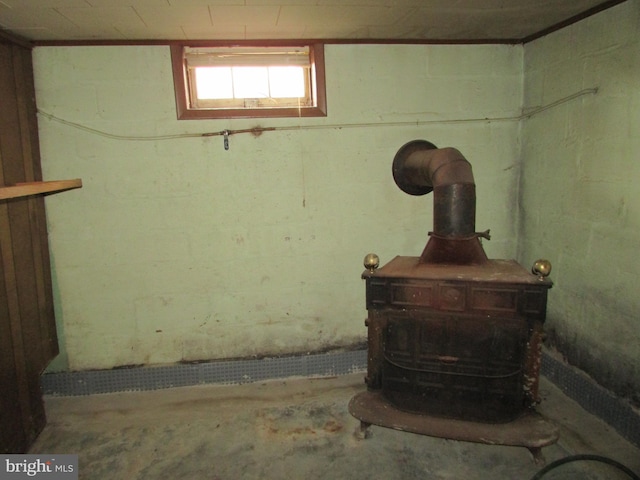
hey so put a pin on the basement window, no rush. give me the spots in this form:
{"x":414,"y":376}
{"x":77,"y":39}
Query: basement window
{"x":249,"y":81}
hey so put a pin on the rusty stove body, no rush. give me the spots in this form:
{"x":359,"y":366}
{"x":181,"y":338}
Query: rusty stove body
{"x":454,"y":338}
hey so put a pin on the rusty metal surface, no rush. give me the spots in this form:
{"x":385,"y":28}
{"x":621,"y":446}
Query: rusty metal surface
{"x":455,"y":341}
{"x":452,"y":335}
{"x":455,"y":365}
{"x":405,"y":175}
{"x":494,"y":271}
{"x":419,"y":167}
{"x":454,"y":210}
{"x":529,"y":430}
{"x":453,"y":251}
{"x":533,"y":361}
{"x":376,"y":327}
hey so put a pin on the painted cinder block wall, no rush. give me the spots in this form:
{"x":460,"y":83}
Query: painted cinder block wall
{"x":580,"y":191}
{"x":177,"y":250}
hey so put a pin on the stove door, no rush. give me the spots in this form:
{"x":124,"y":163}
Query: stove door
{"x":454,"y":365}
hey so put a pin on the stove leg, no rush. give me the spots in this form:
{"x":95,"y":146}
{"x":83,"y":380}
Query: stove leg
{"x":538,"y":456}
{"x":362,"y":431}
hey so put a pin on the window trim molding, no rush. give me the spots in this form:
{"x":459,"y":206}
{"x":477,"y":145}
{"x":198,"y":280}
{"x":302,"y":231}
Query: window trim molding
{"x":180,"y":83}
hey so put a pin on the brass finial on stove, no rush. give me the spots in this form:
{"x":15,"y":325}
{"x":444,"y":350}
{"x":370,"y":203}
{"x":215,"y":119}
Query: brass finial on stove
{"x":371,"y":261}
{"x":541,"y":268}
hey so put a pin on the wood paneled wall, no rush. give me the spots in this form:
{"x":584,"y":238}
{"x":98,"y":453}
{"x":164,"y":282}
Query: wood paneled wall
{"x":28,"y":339}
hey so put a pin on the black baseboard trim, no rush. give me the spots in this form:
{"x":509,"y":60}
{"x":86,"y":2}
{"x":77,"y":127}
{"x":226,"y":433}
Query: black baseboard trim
{"x":223,"y":372}
{"x":597,"y":400}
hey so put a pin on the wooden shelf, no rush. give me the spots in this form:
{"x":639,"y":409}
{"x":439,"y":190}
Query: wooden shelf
{"x":34,"y":188}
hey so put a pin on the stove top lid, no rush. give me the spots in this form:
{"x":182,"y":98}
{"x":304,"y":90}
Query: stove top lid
{"x":494,"y":271}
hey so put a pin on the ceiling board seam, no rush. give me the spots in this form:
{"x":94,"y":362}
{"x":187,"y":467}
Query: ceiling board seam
{"x":139,"y":16}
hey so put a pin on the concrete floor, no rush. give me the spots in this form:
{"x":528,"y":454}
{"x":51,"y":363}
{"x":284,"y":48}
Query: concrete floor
{"x":297,"y":429}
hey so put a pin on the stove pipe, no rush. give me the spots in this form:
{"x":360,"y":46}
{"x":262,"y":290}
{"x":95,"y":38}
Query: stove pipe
{"x":419,"y":167}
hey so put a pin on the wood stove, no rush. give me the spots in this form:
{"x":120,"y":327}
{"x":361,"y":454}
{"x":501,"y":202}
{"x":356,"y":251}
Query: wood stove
{"x":454,"y":338}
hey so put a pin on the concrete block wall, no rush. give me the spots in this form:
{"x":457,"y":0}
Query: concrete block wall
{"x":177,"y":250}
{"x":580,"y":197}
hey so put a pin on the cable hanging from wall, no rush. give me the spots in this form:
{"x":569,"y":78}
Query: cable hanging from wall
{"x":259,"y":130}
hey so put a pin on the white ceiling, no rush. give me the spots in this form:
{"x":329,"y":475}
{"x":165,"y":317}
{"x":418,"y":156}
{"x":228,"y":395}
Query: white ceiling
{"x":424,"y":20}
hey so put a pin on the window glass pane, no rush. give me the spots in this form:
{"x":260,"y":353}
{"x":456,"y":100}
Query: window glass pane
{"x":250,"y":82}
{"x":286,"y":82}
{"x":214,"y":83}
{"x":218,"y":81}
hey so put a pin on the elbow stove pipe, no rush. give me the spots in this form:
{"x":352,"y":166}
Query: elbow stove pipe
{"x":419,"y":168}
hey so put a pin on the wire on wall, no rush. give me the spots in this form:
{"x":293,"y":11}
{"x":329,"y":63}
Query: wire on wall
{"x":259,"y":130}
